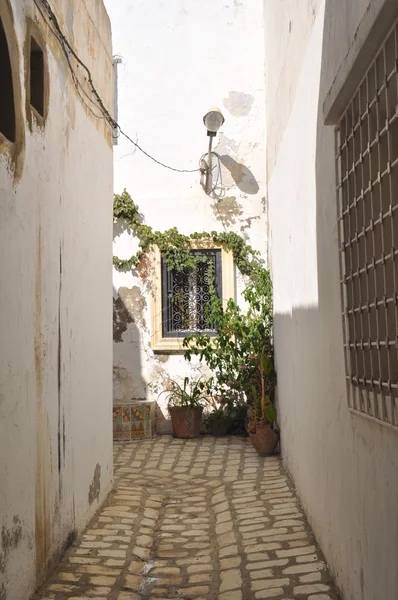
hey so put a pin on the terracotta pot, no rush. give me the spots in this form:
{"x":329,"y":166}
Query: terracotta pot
{"x":186,"y":421}
{"x":220,"y":426}
{"x":264,"y":440}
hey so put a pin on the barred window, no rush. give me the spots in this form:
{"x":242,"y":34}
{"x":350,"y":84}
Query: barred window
{"x":367,"y":185}
{"x":186,"y":296}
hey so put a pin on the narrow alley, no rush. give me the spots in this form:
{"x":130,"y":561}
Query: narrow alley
{"x":198,"y":300}
{"x":204,"y":519}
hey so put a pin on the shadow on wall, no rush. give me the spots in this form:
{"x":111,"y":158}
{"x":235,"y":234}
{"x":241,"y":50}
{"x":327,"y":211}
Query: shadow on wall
{"x":128,"y":324}
{"x":121,"y":225}
{"x":338,"y":461}
{"x":242,"y":176}
{"x":128,"y":382}
{"x":309,"y":340}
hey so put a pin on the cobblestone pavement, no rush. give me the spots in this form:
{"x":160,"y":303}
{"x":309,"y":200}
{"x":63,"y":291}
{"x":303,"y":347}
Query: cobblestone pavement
{"x":196,"y":519}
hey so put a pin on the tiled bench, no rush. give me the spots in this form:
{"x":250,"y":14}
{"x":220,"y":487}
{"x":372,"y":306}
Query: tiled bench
{"x":134,"y":420}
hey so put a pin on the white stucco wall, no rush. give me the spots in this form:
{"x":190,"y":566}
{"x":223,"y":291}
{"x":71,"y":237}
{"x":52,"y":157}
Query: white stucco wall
{"x":180,"y":59}
{"x":55,"y":307}
{"x":345,"y":467}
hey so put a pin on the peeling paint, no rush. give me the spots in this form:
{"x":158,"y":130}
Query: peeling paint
{"x":246,"y":225}
{"x":10,"y":539}
{"x":128,"y":308}
{"x":226,"y":146}
{"x":227,"y":210}
{"x":128,"y":385}
{"x":95,"y":486}
{"x":162,"y":358}
{"x":239,"y":104}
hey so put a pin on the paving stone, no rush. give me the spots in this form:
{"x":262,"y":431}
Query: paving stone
{"x":204,"y":519}
{"x":201,"y":578}
{"x":199,"y":568}
{"x":269,"y":583}
{"x":313,"y":588}
{"x":295,"y":552}
{"x":310,"y":577}
{"x":229,"y":563}
{"x":265,"y":564}
{"x":192,"y":592}
{"x":303,"y":568}
{"x":224,"y":528}
{"x":230,"y":580}
{"x":229,"y":551}
{"x":262,"y":574}
{"x":274,"y":593}
{"x":235,"y":595}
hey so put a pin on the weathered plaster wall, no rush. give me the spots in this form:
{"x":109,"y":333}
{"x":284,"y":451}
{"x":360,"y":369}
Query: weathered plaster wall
{"x":180,"y":59}
{"x":55,"y":309}
{"x":344,"y":466}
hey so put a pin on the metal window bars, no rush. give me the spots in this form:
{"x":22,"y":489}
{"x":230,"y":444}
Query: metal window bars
{"x":367,"y":188}
{"x":185,"y":296}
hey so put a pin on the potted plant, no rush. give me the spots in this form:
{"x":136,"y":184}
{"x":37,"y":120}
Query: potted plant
{"x":241,"y":355}
{"x":185,"y":405}
{"x":262,"y":413}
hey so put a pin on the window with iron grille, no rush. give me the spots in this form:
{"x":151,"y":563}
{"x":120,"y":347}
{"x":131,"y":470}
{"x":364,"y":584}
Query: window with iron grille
{"x":186,"y":296}
{"x":367,"y":183}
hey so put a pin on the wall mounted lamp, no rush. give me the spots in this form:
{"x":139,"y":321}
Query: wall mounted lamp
{"x":213,"y":120}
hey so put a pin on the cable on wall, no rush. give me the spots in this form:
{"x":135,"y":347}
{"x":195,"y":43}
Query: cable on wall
{"x":67,"y":48}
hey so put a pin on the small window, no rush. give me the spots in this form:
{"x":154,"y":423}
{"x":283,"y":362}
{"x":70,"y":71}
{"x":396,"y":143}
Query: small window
{"x":7,"y":107}
{"x":36,"y":77}
{"x":186,"y":296}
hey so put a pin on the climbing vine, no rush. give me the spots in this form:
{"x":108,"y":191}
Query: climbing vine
{"x":175,"y":246}
{"x":241,"y":355}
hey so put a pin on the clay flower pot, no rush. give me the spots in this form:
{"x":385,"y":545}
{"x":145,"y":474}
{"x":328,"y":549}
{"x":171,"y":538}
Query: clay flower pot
{"x":264,"y":440}
{"x":186,"y":421}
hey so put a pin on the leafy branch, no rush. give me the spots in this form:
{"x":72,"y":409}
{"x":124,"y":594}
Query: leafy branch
{"x":175,"y":246}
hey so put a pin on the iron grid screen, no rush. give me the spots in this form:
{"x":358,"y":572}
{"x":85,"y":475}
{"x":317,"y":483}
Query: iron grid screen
{"x":367,"y":186}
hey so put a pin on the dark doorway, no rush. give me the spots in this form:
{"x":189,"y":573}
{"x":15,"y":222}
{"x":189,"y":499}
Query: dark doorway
{"x":36,"y":77}
{"x":7,"y":107}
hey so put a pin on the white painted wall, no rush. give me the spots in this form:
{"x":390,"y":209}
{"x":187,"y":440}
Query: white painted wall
{"x":179,"y":59}
{"x":55,"y":310}
{"x":344,"y":466}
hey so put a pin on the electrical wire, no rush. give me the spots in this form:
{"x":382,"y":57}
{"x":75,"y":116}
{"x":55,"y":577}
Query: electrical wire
{"x":116,"y":128}
{"x":66,"y":47}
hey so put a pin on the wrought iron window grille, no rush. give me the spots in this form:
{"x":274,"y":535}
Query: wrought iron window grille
{"x":186,"y":296}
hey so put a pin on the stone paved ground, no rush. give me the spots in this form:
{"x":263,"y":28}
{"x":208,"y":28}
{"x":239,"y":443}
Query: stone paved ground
{"x":197,"y":519}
